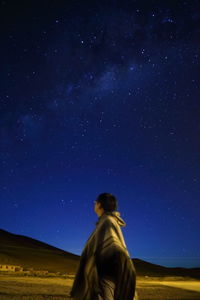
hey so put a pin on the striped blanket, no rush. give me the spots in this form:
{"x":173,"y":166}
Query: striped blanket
{"x":104,"y":242}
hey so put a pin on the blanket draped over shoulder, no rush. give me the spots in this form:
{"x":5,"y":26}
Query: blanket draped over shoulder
{"x":104,"y":242}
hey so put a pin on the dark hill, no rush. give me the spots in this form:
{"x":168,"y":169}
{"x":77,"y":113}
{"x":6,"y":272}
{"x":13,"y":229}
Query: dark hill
{"x":145,"y":268}
{"x":31,"y":253}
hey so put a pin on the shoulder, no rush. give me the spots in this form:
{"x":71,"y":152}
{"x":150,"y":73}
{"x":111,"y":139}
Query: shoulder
{"x":109,"y":222}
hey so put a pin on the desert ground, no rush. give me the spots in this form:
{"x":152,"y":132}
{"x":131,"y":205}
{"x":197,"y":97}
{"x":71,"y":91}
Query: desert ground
{"x":17,"y":287}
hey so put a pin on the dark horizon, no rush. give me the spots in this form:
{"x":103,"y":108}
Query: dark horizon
{"x":53,"y":246}
{"x":102,"y":97}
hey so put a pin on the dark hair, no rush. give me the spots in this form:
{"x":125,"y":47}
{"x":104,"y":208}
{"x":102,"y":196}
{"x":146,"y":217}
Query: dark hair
{"x":108,"y":201}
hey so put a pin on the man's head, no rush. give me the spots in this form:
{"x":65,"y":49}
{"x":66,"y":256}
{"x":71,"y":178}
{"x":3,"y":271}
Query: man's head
{"x":105,"y":202}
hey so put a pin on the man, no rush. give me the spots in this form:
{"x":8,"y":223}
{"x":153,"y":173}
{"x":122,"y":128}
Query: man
{"x":106,"y":271}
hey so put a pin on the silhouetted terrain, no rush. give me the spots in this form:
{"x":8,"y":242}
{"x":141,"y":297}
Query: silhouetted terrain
{"x":144,"y":268}
{"x":31,"y":253}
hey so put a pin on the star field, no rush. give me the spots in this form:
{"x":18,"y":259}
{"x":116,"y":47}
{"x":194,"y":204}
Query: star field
{"x":102,"y":97}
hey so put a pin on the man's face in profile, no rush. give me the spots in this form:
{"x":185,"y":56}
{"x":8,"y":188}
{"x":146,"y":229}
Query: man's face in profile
{"x":97,"y":208}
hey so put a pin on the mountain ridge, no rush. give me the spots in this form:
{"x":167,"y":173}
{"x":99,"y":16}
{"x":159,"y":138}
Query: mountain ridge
{"x":32,"y":253}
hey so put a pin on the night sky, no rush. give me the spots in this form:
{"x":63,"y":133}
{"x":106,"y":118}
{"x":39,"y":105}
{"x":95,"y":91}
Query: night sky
{"x":102,"y":96}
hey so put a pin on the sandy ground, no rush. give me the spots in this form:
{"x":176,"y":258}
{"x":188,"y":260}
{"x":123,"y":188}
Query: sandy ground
{"x":56,"y":288}
{"x":34,"y":288}
{"x":186,"y":285}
